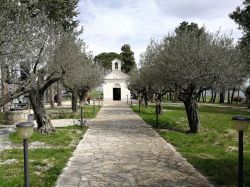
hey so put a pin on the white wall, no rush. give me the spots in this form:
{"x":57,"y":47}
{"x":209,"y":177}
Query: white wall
{"x":108,"y":89}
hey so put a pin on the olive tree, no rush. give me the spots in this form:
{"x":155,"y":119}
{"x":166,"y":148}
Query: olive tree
{"x":17,"y":39}
{"x":83,"y":75}
{"x":150,"y":79}
{"x":30,"y":40}
{"x":193,"y":62}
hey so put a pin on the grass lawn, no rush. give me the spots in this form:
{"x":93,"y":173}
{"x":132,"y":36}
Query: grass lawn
{"x":45,"y":164}
{"x":213,"y":151}
{"x":66,"y":113}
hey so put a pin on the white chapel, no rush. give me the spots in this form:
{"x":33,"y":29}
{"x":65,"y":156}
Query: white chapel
{"x":115,"y":83}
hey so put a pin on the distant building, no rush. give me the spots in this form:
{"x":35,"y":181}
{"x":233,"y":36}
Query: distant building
{"x":115,"y":83}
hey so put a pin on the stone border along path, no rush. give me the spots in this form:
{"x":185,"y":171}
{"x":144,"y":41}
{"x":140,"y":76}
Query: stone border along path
{"x":120,"y":149}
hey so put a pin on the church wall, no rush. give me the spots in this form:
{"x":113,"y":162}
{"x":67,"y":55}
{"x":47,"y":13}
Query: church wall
{"x":108,"y":89}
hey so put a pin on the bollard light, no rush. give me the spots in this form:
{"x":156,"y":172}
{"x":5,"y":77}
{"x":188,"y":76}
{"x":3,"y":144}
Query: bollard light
{"x":240,"y":124}
{"x":127,"y":99}
{"x":25,"y":131}
{"x":81,"y":106}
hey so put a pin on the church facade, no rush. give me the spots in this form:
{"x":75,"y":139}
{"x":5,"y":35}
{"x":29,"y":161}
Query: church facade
{"x":115,"y":83}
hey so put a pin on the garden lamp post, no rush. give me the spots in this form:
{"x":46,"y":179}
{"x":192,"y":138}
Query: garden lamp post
{"x":240,"y":124}
{"x":25,"y":131}
{"x":131,"y":103}
{"x":157,"y":103}
{"x":81,"y":106}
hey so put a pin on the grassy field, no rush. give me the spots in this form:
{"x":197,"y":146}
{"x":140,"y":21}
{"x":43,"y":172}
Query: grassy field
{"x":45,"y":164}
{"x":213,"y":151}
{"x":66,"y":113}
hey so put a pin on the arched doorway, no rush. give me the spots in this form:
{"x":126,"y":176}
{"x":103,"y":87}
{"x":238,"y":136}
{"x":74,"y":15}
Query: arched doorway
{"x":117,"y":92}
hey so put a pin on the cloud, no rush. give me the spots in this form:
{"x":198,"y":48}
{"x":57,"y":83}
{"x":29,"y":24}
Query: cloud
{"x":110,"y":24}
{"x":205,"y":9}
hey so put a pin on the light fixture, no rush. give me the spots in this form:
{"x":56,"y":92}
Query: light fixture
{"x":25,"y":131}
{"x":240,"y":124}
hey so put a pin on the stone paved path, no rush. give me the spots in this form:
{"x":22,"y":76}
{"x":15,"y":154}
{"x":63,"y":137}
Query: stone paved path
{"x":120,"y":149}
{"x":4,"y":140}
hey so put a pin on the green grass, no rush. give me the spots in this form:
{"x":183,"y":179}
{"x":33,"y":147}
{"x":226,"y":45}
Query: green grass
{"x":66,"y":113}
{"x":213,"y":151}
{"x":45,"y":165}
{"x":95,"y":94}
{"x":62,"y":137}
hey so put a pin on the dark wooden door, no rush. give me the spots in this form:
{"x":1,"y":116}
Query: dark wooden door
{"x":116,"y":94}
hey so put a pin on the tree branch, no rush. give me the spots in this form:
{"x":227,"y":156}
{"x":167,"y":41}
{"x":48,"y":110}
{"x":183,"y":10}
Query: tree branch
{"x":25,"y":88}
{"x":48,"y":83}
{"x":38,"y":58}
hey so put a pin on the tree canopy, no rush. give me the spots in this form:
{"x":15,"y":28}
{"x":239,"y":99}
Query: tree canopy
{"x":242,"y":17}
{"x":30,"y":38}
{"x":82,"y":75}
{"x":104,"y":59}
{"x":60,"y":11}
{"x":127,"y":57}
{"x":186,"y":27}
{"x":189,"y":63}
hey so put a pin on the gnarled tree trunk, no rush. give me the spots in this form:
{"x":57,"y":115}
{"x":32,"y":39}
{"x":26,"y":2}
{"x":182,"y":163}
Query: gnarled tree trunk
{"x":159,"y":107}
{"x":176,"y":95}
{"x":232,"y":95}
{"x":44,"y":124}
{"x":4,"y":93}
{"x":192,"y":115}
{"x":4,"y":75}
{"x":51,"y":97}
{"x":205,"y":96}
{"x":247,"y":94}
{"x":74,"y":102}
{"x":248,"y":102}
{"x":228,"y":97}
{"x":59,"y":94}
{"x":238,"y":96}
{"x":222,"y":96}
{"x":189,"y":96}
{"x":82,"y":95}
{"x":214,"y":98}
{"x":170,"y":96}
{"x":145,"y":96}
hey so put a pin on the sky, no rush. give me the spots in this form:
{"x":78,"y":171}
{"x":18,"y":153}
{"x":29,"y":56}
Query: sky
{"x":109,"y":24}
